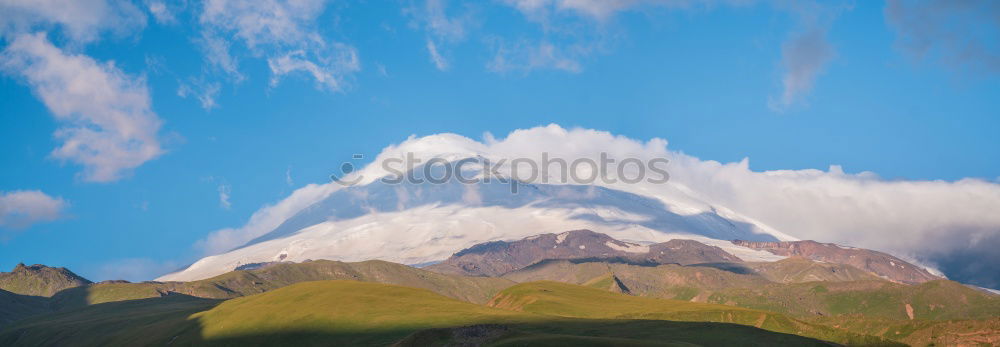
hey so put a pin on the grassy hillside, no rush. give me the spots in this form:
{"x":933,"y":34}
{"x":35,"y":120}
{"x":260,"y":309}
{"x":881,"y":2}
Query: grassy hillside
{"x":128,"y":323}
{"x":39,"y":280}
{"x":14,"y":307}
{"x":358,"y":313}
{"x":732,"y":286}
{"x":560,"y":299}
{"x":921,"y":332}
{"x":934,"y":300}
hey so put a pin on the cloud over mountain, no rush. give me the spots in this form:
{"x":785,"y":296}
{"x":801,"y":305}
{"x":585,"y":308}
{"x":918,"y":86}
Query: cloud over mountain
{"x":929,"y":221}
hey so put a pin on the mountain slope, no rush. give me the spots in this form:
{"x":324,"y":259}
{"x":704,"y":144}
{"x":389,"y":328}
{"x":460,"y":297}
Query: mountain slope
{"x":872,"y":298}
{"x":39,"y":280}
{"x":417,"y":223}
{"x":799,"y":270}
{"x":14,"y":307}
{"x":560,"y":299}
{"x":879,"y":263}
{"x":500,"y":257}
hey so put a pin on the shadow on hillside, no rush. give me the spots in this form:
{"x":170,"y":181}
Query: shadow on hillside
{"x":565,"y":332}
{"x":735,"y":268}
{"x":14,"y":307}
{"x":151,"y":321}
{"x":175,"y":320}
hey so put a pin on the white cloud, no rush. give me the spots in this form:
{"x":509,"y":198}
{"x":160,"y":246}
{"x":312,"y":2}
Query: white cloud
{"x":162,"y":11}
{"x":601,"y":10}
{"x":205,"y":92}
{"x":217,"y":54}
{"x":106,"y":121}
{"x":81,"y":20}
{"x":436,"y":57}
{"x":22,"y":208}
{"x":329,"y":71}
{"x":282,"y":31}
{"x":264,"y":220}
{"x":224,"y":191}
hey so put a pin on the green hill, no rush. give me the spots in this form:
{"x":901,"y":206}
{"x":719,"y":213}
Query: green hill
{"x":566,"y":300}
{"x":14,"y":307}
{"x":127,"y":323}
{"x":359,"y":313}
{"x":39,"y":280}
{"x":922,"y":332}
{"x":715,"y":283}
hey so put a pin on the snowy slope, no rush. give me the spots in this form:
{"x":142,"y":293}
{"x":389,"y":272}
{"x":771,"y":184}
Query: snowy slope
{"x":419,"y":223}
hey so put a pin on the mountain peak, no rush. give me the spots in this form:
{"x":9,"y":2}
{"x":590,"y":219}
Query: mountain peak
{"x":39,"y":280}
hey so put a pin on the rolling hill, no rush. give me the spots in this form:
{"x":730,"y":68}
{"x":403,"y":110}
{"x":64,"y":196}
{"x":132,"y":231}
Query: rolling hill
{"x":360,"y":313}
{"x":873,"y":298}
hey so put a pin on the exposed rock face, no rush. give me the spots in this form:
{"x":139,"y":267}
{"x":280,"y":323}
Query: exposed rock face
{"x":500,"y":257}
{"x":39,"y":280}
{"x":881,"y":264}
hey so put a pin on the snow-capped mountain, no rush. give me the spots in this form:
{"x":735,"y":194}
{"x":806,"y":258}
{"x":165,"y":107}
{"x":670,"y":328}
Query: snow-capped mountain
{"x":707,"y":201}
{"x":416,"y":223}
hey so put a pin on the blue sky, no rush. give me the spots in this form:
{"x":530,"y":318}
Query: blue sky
{"x":859,"y":84}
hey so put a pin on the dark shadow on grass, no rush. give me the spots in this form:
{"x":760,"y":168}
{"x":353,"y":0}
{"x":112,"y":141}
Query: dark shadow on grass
{"x":563,"y":332}
{"x":735,"y":268}
{"x":173,"y":320}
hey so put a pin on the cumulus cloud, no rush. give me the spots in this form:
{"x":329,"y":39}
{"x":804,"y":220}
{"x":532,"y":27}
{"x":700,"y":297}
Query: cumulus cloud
{"x":958,"y":33}
{"x":22,"y":208}
{"x":81,"y":20}
{"x":282,"y":31}
{"x":106,"y":121}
